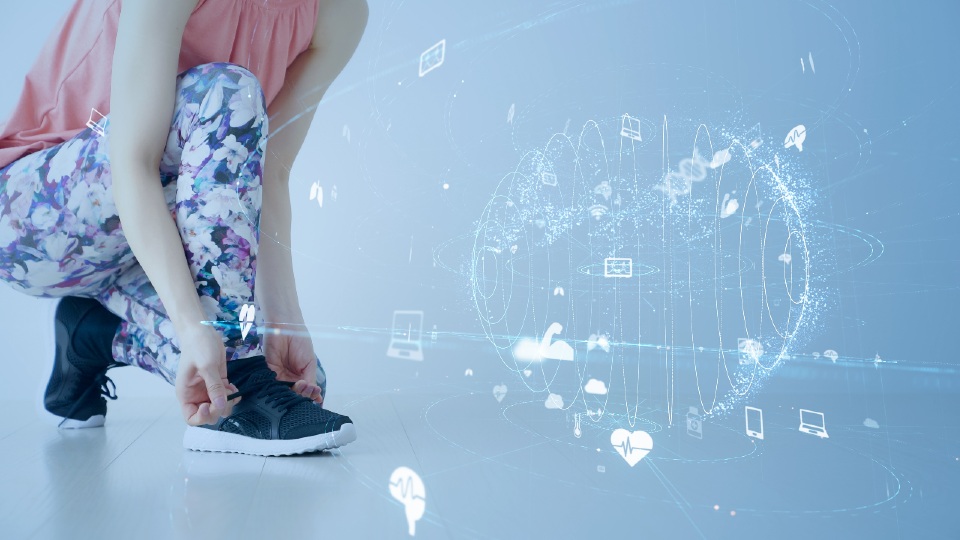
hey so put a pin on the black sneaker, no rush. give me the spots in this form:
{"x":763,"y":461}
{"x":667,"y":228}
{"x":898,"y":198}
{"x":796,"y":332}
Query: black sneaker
{"x":78,"y":383}
{"x":271,"y":419}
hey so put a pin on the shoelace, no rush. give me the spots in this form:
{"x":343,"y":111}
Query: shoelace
{"x":101,"y":383}
{"x":280,"y":393}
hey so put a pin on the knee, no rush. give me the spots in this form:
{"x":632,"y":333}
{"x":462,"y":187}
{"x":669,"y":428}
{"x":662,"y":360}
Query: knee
{"x":225,"y":74}
{"x":228,"y":88}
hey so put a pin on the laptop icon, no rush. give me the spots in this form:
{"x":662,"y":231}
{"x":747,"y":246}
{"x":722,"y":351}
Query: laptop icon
{"x":405,"y":339}
{"x":812,"y":422}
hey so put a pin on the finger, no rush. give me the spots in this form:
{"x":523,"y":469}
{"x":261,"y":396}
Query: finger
{"x":204,"y":415}
{"x":216,"y":388}
{"x":188,"y":410}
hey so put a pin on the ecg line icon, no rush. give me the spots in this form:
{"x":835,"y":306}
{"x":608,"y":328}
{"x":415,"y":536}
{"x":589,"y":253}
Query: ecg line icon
{"x":404,"y":487}
{"x":632,"y":446}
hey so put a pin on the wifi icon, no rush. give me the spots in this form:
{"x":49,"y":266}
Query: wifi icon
{"x":598,"y":211}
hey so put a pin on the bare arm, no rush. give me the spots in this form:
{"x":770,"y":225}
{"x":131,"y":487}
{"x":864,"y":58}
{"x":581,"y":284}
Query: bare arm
{"x":143,"y":88}
{"x":340,"y":25}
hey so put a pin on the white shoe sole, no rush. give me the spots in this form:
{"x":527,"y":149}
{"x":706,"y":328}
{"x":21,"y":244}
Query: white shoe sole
{"x":208,"y":440}
{"x":94,"y":421}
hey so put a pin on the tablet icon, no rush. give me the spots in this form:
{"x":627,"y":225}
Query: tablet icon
{"x":405,"y":339}
{"x":754,"y":419}
{"x":557,"y":350}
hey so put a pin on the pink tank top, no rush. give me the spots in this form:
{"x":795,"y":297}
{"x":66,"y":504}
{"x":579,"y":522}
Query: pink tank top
{"x":72,"y":73}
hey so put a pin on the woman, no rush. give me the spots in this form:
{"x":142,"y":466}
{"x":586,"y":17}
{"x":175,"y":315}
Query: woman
{"x":86,"y":203}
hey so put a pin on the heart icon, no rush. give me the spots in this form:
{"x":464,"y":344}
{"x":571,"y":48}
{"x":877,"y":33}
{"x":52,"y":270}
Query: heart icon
{"x":632,"y":447}
{"x":499,"y":391}
{"x":527,"y":373}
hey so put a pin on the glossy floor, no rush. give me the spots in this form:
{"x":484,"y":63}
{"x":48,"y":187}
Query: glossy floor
{"x":491,"y":469}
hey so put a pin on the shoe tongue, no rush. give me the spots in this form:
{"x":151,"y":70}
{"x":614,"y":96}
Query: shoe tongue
{"x":261,"y":375}
{"x":254,"y":370}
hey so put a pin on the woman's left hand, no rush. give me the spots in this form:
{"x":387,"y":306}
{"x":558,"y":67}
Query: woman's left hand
{"x":290,"y":355}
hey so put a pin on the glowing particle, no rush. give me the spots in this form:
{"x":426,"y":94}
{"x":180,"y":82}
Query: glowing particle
{"x":446,"y":185}
{"x":716,"y":507}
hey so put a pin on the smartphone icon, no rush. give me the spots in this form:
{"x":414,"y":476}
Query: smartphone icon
{"x":754,"y":419}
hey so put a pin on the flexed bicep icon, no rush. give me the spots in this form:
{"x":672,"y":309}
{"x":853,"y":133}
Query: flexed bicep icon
{"x":558,"y":350}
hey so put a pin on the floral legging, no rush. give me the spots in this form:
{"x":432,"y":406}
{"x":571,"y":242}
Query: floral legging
{"x":60,"y":234}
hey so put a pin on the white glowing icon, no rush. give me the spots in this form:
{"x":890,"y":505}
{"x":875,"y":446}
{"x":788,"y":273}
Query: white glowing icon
{"x":720,"y":157}
{"x":511,"y":112}
{"x":618,"y":267}
{"x":316,"y":193}
{"x":632,"y":446}
{"x":247,"y":314}
{"x":796,"y":137}
{"x":631,"y":128}
{"x":432,"y":58}
{"x":595,"y":387}
{"x":555,"y":350}
{"x":407,"y":487}
{"x":598,"y":340}
{"x":728,"y":207}
{"x":553,"y":401}
{"x":499,"y":391}
{"x":97,"y":122}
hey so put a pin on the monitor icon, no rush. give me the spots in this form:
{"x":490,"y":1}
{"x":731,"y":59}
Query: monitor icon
{"x":615,"y":267}
{"x":812,"y":422}
{"x":406,"y":337}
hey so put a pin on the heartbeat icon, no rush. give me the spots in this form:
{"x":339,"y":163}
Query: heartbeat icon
{"x":632,"y":446}
{"x":404,"y":487}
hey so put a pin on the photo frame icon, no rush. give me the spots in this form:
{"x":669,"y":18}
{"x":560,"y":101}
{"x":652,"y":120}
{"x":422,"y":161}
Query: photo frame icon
{"x":618,"y":267}
{"x":433,"y":57}
{"x":631,"y":128}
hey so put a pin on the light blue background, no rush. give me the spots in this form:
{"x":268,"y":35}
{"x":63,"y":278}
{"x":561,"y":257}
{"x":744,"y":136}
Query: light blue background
{"x":888,"y":68}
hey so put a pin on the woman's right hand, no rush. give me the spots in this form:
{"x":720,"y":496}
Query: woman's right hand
{"x":202,"y":383}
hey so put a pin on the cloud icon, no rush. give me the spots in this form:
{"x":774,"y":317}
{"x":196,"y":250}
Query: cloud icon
{"x":554,"y":401}
{"x":871,"y":423}
{"x":595,"y":386}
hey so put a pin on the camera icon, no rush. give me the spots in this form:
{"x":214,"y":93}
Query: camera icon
{"x":694,"y":423}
